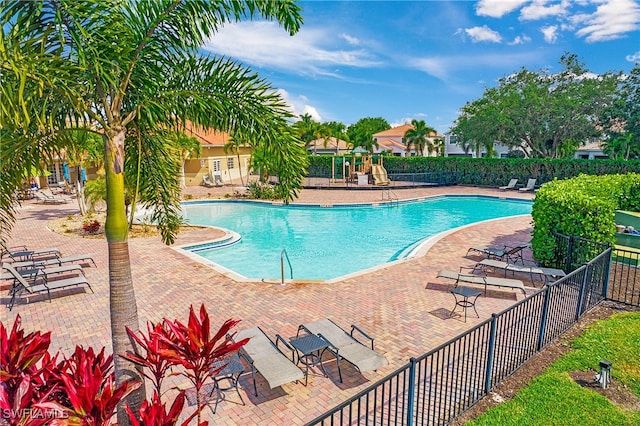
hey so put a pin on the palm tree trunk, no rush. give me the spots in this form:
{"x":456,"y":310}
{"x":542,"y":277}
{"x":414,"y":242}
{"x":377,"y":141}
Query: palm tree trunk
{"x":122,"y":299}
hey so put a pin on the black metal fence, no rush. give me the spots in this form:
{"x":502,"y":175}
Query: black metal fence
{"x":438,"y":386}
{"x":571,"y":252}
{"x":624,"y":281}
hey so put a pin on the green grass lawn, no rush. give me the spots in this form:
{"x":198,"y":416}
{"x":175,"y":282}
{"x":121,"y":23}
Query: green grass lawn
{"x":555,"y":399}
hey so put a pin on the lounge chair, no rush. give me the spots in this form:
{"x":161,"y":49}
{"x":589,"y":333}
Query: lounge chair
{"x":544,"y":273}
{"x":485,"y":281}
{"x":206,"y":181}
{"x":512,"y":185}
{"x":217,"y":179}
{"x":49,"y":199}
{"x":345,"y":346}
{"x":56,"y":261}
{"x":506,"y":253}
{"x":21,"y":253}
{"x":45,"y":271}
{"x":266,"y":358}
{"x":531,"y":183}
{"x":36,"y":286}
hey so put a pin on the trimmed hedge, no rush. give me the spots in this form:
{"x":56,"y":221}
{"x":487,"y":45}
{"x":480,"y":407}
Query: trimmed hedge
{"x":583,"y":206}
{"x":490,"y":171}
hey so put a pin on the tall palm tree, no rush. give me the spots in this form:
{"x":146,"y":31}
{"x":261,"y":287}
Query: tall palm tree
{"x":418,"y":136}
{"x":131,"y":71}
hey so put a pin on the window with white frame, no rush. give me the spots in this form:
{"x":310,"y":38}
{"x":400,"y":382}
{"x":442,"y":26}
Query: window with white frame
{"x":230,"y":163}
{"x":216,"y":165}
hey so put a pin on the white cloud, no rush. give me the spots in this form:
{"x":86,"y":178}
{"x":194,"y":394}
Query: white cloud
{"x":540,"y":9}
{"x":611,"y":20}
{"x":520,"y":40}
{"x":265,"y":44}
{"x":300,"y":105}
{"x":353,"y":41}
{"x":497,"y":8}
{"x":483,"y":33}
{"x":550,"y":33}
{"x":633,"y":57}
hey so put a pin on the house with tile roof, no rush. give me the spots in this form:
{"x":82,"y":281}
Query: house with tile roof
{"x":391,"y":140}
{"x":330,"y":146}
{"x":213,"y":160}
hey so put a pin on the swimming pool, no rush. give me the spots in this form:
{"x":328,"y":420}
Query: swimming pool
{"x":324,"y":243}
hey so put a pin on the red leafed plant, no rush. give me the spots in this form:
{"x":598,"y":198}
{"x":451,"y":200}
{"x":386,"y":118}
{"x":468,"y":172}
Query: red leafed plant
{"x":191,"y":346}
{"x":155,"y":413}
{"x":91,"y":226}
{"x":90,"y":387}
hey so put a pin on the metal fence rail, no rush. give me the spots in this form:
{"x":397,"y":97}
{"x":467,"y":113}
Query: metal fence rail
{"x":440,"y":385}
{"x":624,"y":280}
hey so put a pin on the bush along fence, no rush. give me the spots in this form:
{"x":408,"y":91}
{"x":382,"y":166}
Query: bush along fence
{"x":479,"y":171}
{"x":438,"y":386}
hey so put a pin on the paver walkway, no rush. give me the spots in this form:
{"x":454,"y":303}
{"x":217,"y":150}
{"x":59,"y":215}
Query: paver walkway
{"x":392,"y":304}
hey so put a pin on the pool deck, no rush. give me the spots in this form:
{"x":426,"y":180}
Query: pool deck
{"x":404,"y":306}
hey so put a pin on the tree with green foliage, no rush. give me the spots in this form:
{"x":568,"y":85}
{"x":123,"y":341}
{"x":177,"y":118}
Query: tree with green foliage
{"x":623,"y":118}
{"x":132,"y":73}
{"x":361,"y":132}
{"x":418,"y":137}
{"x":543,"y":114}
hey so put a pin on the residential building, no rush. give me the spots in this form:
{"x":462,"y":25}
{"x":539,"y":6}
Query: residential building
{"x":392,"y":140}
{"x":591,"y":151}
{"x":331,"y":146}
{"x":453,"y":149}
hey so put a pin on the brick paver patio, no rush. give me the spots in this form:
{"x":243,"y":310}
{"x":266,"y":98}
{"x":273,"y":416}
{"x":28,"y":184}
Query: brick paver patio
{"x":393,"y":303}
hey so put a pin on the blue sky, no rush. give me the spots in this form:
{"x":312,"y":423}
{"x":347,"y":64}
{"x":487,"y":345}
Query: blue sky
{"x":425,"y":59}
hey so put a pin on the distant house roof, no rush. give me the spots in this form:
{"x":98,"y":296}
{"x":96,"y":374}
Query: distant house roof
{"x":591,"y":146}
{"x":319,"y":145}
{"x":393,"y":132}
{"x":399,"y":132}
{"x":390,"y":144}
{"x":207,"y":137}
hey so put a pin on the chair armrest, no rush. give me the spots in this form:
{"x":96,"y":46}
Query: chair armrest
{"x":330,"y":346}
{"x":243,"y":354}
{"x":301,"y":327}
{"x":359,"y":330}
{"x":284,"y":342}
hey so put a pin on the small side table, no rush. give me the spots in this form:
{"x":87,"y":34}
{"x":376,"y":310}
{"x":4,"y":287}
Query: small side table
{"x":233,"y":368}
{"x":309,"y":348}
{"x":465,"y":297}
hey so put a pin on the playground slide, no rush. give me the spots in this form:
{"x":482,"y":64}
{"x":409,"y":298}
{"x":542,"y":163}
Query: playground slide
{"x":380,"y":175}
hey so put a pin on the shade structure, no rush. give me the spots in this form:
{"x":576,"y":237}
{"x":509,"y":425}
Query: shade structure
{"x":65,"y":171}
{"x":83,"y":174}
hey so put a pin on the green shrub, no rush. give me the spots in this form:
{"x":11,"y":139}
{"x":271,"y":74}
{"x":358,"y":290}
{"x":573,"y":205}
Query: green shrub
{"x":583,"y":206}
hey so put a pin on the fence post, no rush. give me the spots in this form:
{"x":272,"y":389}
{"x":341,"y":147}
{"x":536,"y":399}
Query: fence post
{"x":605,"y":289}
{"x":583,"y":285}
{"x":490,"y":354}
{"x":411,"y":391}
{"x":545,"y":313}
{"x":569,"y":254}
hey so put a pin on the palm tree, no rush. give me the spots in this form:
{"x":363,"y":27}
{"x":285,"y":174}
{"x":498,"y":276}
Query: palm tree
{"x":131,"y":72}
{"x":418,"y":136}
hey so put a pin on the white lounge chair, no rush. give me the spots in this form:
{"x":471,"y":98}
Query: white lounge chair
{"x":459,"y":277}
{"x":544,"y":273}
{"x":511,"y":185}
{"x":345,"y":346}
{"x":266,"y":358}
{"x":36,"y":286}
{"x":531,"y":183}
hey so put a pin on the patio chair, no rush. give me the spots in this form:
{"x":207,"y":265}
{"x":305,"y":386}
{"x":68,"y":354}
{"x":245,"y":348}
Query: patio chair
{"x":345,"y":346}
{"x":544,"y":273}
{"x":36,"y":285}
{"x":22,"y":253}
{"x":45,"y":271}
{"x":485,"y":281}
{"x":265,"y":357}
{"x":56,"y":261}
{"x":206,"y":181}
{"x":49,"y":199}
{"x":531,"y":183}
{"x":506,"y":253}
{"x":511,"y":185}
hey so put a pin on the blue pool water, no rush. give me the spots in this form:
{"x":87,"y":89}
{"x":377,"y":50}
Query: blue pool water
{"x":325,"y":243}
